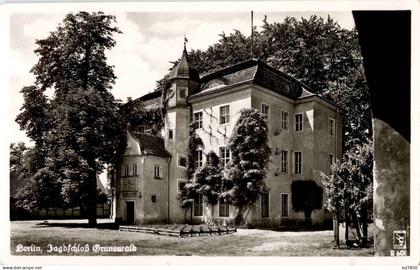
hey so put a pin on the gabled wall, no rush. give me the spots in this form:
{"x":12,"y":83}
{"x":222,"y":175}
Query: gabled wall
{"x":142,"y":186}
{"x":131,"y":156}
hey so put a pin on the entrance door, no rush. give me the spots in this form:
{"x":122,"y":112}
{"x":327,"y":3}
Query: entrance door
{"x":130,"y":212}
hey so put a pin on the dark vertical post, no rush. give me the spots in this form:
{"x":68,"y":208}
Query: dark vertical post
{"x":252,"y":34}
{"x":385,"y":40}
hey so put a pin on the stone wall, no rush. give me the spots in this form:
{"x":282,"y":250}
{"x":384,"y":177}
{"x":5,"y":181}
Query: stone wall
{"x":391,"y":187}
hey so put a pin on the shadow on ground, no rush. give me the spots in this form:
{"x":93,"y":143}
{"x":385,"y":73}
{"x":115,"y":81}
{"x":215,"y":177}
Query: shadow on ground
{"x":104,"y":225}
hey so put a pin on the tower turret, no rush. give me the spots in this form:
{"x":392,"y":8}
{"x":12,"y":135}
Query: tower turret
{"x":183,"y":82}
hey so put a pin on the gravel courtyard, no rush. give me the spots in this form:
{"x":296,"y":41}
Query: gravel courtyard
{"x":71,"y":237}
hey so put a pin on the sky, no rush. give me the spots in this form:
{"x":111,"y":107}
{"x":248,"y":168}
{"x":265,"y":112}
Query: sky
{"x":142,"y":55}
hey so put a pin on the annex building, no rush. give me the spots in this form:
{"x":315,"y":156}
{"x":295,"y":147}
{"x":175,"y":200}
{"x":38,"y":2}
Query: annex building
{"x":305,"y":135}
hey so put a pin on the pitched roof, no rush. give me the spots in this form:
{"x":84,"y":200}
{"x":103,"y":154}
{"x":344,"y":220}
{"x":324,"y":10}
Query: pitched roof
{"x":151,"y":100}
{"x":251,"y":71}
{"x":150,"y":96}
{"x":151,"y":145}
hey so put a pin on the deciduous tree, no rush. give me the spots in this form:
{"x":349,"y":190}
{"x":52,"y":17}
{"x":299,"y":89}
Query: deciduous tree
{"x":247,"y":168}
{"x":306,"y":196}
{"x":85,"y":129}
{"x":209,"y":181}
{"x":349,"y":188}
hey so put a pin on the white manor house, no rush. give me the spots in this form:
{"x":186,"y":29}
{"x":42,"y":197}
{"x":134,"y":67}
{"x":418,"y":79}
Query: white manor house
{"x":305,"y":135}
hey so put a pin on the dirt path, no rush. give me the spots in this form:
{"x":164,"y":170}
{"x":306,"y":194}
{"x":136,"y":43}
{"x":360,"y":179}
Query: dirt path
{"x":246,"y":242}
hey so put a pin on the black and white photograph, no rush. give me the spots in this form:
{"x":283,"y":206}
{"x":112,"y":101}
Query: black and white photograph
{"x":206,"y":130}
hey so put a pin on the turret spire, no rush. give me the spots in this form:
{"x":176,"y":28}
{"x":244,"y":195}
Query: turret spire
{"x":184,"y":69}
{"x":185,"y":42}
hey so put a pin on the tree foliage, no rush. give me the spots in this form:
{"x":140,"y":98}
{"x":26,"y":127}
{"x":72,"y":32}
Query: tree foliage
{"x":16,"y":157}
{"x":186,"y":197}
{"x":81,"y":128}
{"x":34,"y":119}
{"x":142,"y":119}
{"x":250,"y":153}
{"x":27,"y":181}
{"x":73,"y":55}
{"x":349,"y":187}
{"x":209,"y":179}
{"x":306,"y":196}
{"x":18,"y":166}
{"x":34,"y":114}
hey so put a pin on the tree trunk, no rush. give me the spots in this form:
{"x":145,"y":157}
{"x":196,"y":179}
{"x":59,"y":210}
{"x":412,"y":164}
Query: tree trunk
{"x":191,"y":214}
{"x":185,"y":215}
{"x":356,"y":225}
{"x":364,"y":226}
{"x":308,"y":213}
{"x":210,"y":220}
{"x":92,"y":201}
{"x":347,"y":221}
{"x":246,"y":213}
{"x":337,"y":228}
{"x":239,"y":218}
{"x":211,"y":214}
{"x":86,"y":64}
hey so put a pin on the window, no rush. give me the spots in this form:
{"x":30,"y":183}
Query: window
{"x":182,"y":92}
{"x":265,"y":109}
{"x":198,"y":118}
{"x":125,"y":185}
{"x":224,"y":154}
{"x":224,"y":115}
{"x":330,"y":162}
{"x":181,"y":185}
{"x":153,"y":198}
{"x":170,"y":134}
{"x":198,"y":205}
{"x":134,"y":169}
{"x":129,"y":170}
{"x":182,"y":161}
{"x":284,"y":205}
{"x":129,"y":184}
{"x":123,"y":171}
{"x":223,"y":208}
{"x":284,"y":120}
{"x":199,"y":160}
{"x":284,"y":163}
{"x":299,"y":122}
{"x":265,"y":204}
{"x":331,"y":126}
{"x":298,"y":162}
{"x":157,"y":173}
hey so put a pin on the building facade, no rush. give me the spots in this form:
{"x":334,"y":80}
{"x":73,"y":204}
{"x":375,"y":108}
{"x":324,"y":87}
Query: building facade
{"x":305,"y":135}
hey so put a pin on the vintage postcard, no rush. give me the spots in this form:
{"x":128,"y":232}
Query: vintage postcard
{"x":210,"y":132}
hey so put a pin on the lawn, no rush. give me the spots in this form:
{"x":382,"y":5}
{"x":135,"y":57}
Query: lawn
{"x":246,"y":242}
